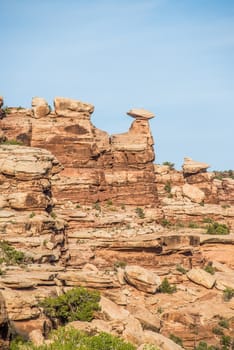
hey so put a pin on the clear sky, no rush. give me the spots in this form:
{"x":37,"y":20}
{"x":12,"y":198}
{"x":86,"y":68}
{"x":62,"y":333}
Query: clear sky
{"x":173,"y":57}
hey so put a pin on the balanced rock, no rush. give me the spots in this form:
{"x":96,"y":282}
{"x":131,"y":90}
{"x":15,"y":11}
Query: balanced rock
{"x":67,"y":107}
{"x":190,"y":166}
{"x":40,"y":107}
{"x":201,"y":277}
{"x":140,"y":113}
{"x":142,"y":279}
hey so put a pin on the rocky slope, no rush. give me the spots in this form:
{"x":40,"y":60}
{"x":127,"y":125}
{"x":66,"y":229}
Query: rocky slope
{"x":89,"y":209}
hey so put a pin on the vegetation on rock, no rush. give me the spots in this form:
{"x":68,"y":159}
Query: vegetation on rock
{"x":216,"y":228}
{"x":10,"y":255}
{"x":76,"y":304}
{"x":166,"y":287}
{"x":71,"y":339}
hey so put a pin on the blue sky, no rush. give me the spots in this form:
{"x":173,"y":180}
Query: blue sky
{"x":173,"y":57}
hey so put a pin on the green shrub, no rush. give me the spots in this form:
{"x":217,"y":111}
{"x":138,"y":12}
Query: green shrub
{"x":53,"y":215}
{"x":225,"y":341}
{"x":224,"y":323}
{"x":176,"y":339}
{"x":32,"y":215}
{"x":72,"y":339}
{"x":181,"y":269}
{"x":170,"y":165}
{"x":165,"y":223}
{"x":193,"y":225}
{"x":109,"y":202}
{"x":217,"y":331}
{"x":228,"y":293}
{"x":210,"y":269}
{"x":10,"y":255}
{"x":167,"y":187}
{"x":97,"y":206}
{"x":217,"y":229}
{"x":208,"y":221}
{"x":77,"y":304}
{"x":12,"y":142}
{"x":120,"y":263}
{"x":203,"y":346}
{"x":166,"y":287}
{"x":140,"y":213}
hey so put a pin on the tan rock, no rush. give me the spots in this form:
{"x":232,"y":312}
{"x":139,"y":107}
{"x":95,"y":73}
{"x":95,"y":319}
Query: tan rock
{"x":147,"y":319}
{"x":72,"y":108}
{"x":86,"y":279}
{"x":40,"y":107}
{"x":133,"y":331}
{"x":142,"y":279}
{"x":193,"y":193}
{"x":192,"y":167}
{"x":224,"y":280}
{"x":112,"y":311}
{"x":36,"y":337}
{"x":140,"y":113}
{"x":201,"y":277}
{"x":161,"y":341}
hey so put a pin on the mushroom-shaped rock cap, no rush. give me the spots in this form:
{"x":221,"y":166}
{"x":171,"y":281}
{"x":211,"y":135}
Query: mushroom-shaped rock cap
{"x":190,"y":166}
{"x":140,"y":113}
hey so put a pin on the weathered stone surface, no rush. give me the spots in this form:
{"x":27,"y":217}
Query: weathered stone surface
{"x":140,"y":113}
{"x":83,"y":278}
{"x":201,"y":277}
{"x":142,"y":279}
{"x":192,"y":167}
{"x":71,"y":108}
{"x":224,"y":280}
{"x":112,"y":311}
{"x":193,"y":193}
{"x":161,"y":341}
{"x":133,"y":331}
{"x":40,"y":107}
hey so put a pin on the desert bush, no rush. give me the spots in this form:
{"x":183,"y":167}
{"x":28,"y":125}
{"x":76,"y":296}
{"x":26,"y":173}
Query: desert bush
{"x":10,"y":255}
{"x":12,"y":142}
{"x":140,"y":212}
{"x":224,"y":323}
{"x":181,"y":269}
{"x":228,"y":293}
{"x":167,"y":187}
{"x":176,"y":339}
{"x":71,"y":339}
{"x":210,"y":269}
{"x":170,"y":165}
{"x":216,"y":228}
{"x":166,"y":287}
{"x":77,"y":304}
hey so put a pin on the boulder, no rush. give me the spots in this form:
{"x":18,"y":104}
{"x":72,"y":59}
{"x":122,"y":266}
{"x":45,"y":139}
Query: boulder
{"x":67,"y":107}
{"x":193,"y":193}
{"x":201,"y":277}
{"x":161,"y":341}
{"x":112,"y":311}
{"x":142,"y":279}
{"x":224,"y":280}
{"x":40,"y":107}
{"x":190,"y":166}
{"x":133,"y":331}
{"x":147,"y":319}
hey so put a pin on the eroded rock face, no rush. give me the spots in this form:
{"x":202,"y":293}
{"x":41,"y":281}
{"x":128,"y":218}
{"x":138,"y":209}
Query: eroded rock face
{"x":4,"y":325}
{"x":40,"y":107}
{"x":193,"y":167}
{"x":85,"y":151}
{"x":142,"y":279}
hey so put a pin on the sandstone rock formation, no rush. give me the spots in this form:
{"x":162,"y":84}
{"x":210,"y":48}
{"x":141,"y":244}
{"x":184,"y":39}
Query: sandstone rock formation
{"x":89,"y":209}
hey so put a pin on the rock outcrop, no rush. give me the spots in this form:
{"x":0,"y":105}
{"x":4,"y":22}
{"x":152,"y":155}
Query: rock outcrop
{"x":89,"y":209}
